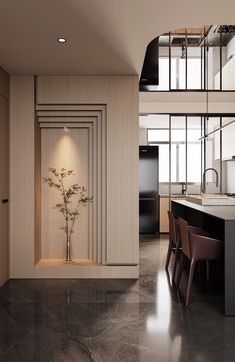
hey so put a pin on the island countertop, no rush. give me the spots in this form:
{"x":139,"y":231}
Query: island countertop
{"x":219,"y":221}
{"x":222,"y":212}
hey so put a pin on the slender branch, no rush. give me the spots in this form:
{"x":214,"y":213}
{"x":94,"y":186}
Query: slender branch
{"x":74,"y":219}
{"x":70,"y":215}
{"x":66,"y":207}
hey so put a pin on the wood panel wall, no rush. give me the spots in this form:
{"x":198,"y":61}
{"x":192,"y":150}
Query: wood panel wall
{"x":119,"y":95}
{"x":164,"y":207}
{"x":22,"y":180}
{"x":4,"y":176}
{"x":37,"y":193}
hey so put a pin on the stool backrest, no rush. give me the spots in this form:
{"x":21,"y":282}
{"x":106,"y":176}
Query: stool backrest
{"x":172,"y":228}
{"x":184,"y":236}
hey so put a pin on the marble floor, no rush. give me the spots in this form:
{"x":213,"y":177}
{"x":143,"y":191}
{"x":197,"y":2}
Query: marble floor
{"x":115,"y":320}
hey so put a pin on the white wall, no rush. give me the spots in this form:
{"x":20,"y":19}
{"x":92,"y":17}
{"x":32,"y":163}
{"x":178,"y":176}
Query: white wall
{"x":143,"y":136}
{"x":186,"y":102}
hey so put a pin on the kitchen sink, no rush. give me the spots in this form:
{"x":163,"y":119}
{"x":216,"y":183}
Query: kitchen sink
{"x":219,"y":200}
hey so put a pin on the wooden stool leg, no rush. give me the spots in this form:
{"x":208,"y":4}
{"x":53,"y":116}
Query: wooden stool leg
{"x":207,"y":270}
{"x":177,"y":254}
{"x":168,"y":254}
{"x":180,"y":269}
{"x":190,"y":280}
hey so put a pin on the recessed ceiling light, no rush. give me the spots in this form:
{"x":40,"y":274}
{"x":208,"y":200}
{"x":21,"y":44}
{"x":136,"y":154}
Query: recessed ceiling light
{"x":61,"y":40}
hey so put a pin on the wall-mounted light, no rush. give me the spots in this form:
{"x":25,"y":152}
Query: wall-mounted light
{"x":61,"y":40}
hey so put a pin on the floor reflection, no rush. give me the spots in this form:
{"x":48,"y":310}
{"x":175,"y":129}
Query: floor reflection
{"x":114,"y":320}
{"x":158,"y":324}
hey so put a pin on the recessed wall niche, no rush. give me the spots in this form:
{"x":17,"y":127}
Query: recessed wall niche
{"x":73,"y":138}
{"x":113,"y":101}
{"x":65,"y":148}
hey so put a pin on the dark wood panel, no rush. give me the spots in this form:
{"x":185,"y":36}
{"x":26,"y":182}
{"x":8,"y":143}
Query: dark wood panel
{"x":4,"y":84}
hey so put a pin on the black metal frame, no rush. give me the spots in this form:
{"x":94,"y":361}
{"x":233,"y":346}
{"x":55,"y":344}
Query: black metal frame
{"x":204,"y":118}
{"x":204,"y":67}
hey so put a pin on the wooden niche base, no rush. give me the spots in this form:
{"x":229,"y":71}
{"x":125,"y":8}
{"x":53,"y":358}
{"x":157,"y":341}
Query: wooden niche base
{"x":83,"y":268}
{"x":60,"y":262}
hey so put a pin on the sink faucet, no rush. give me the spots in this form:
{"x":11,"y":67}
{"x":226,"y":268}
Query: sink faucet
{"x":204,"y":179}
{"x":183,"y":190}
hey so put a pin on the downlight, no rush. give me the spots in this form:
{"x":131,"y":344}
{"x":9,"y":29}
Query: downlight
{"x":61,"y":40}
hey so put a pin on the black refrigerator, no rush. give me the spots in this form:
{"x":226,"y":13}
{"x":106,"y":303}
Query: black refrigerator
{"x":148,"y":194}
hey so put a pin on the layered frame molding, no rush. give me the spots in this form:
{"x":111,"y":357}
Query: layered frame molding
{"x":107,"y":107}
{"x":94,"y":120}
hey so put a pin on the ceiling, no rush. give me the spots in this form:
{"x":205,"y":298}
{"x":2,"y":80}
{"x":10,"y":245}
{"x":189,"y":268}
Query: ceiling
{"x":104,"y":36}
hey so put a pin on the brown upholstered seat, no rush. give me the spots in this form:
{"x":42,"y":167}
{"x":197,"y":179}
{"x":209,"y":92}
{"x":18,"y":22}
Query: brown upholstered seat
{"x":196,"y":247}
{"x":172,"y":237}
{"x":175,"y":241}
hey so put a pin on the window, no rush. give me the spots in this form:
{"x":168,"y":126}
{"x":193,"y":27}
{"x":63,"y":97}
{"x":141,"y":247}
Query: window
{"x":194,"y":149}
{"x":163,"y":74}
{"x":183,"y":153}
{"x":194,"y":74}
{"x":163,"y":162}
{"x":158,"y":135}
{"x":177,"y":151}
{"x":178,"y":139}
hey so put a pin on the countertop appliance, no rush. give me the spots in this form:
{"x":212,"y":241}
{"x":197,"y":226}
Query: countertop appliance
{"x":149,"y":190}
{"x":230,"y":194}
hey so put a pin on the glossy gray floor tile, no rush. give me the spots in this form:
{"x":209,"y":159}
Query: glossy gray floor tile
{"x":116,"y":320}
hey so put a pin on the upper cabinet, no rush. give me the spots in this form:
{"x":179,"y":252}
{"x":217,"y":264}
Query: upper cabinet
{"x":228,"y":144}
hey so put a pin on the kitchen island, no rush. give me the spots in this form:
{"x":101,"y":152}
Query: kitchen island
{"x":219,"y":221}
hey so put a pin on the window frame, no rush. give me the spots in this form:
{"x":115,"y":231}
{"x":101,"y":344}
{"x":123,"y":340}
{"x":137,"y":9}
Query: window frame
{"x":204,"y":117}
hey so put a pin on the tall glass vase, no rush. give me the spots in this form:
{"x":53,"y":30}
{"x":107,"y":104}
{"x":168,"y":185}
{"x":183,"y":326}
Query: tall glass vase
{"x":68,"y":250}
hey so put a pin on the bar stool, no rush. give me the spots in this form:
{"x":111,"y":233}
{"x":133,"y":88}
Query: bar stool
{"x":196,"y":247}
{"x":175,"y":241}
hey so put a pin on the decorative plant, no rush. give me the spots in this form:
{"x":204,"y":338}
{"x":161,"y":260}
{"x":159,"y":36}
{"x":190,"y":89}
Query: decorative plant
{"x":69,"y":211}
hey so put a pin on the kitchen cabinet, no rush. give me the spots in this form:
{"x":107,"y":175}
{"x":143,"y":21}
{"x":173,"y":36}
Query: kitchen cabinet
{"x":228,"y":142}
{"x":164,"y":207}
{"x":228,"y":145}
